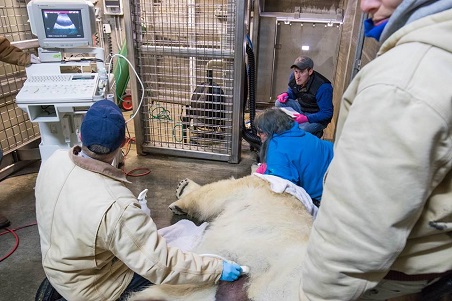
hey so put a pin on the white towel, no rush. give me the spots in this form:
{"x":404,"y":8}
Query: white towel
{"x":184,"y":234}
{"x":280,"y":185}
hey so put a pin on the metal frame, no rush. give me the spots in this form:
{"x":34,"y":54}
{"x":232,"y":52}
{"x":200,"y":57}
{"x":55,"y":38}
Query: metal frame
{"x":138,"y":53}
{"x":19,"y":138}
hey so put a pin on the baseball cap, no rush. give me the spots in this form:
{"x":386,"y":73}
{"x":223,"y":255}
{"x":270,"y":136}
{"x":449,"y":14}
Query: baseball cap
{"x":103,"y":127}
{"x":303,"y":62}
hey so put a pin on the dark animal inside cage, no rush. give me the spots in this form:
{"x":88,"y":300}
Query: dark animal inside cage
{"x":205,"y":117}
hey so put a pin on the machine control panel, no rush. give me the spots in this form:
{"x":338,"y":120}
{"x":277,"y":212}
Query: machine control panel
{"x":59,"y":88}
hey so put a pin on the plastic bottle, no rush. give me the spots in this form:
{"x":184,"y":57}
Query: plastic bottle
{"x":103,"y":81}
{"x":102,"y":75}
{"x":143,"y":202}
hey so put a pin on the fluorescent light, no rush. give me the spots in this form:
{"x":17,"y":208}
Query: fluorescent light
{"x":305,"y":47}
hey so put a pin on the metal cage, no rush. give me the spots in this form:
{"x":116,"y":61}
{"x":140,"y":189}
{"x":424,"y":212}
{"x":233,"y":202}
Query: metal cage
{"x":16,"y":130}
{"x":189,"y":56}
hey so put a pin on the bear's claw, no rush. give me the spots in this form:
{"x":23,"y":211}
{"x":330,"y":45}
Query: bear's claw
{"x":185,"y":186}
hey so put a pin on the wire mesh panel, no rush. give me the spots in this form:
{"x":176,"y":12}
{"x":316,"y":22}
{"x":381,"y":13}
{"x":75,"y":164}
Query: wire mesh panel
{"x":186,"y":60}
{"x":15,"y":127}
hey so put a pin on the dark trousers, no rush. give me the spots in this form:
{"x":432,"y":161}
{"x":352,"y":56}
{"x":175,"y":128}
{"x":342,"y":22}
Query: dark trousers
{"x":137,"y":284}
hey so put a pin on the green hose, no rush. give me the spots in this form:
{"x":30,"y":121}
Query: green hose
{"x":121,"y":74}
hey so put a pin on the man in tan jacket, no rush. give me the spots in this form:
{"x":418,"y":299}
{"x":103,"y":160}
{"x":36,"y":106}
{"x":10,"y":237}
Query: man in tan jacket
{"x":96,"y":242}
{"x":384,"y":228}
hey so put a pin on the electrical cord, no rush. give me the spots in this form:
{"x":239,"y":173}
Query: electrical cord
{"x":138,"y":78}
{"x":179,"y":124}
{"x":96,"y":38}
{"x":118,"y":35}
{"x":162,"y":114}
{"x":143,"y":171}
{"x":245,"y":269}
{"x":136,"y":172}
{"x":110,"y":48}
{"x":214,"y":256}
{"x":165,"y":114}
{"x":16,"y":245}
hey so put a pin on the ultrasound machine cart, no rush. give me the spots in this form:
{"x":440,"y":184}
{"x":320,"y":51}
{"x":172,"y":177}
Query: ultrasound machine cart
{"x":59,"y":90}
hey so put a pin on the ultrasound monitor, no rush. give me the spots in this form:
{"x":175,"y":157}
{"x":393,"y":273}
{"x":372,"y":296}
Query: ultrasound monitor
{"x":62,"y":23}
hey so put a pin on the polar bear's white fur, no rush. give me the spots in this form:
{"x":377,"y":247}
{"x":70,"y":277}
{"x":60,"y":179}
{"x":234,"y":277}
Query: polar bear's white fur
{"x":251,"y":225}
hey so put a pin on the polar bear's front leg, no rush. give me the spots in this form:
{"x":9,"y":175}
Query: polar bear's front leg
{"x":207,"y":201}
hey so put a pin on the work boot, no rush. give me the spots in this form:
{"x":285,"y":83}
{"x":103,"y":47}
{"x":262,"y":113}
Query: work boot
{"x":4,"y":222}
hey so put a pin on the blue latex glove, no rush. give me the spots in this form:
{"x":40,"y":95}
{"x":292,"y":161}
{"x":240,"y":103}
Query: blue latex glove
{"x":231,"y":271}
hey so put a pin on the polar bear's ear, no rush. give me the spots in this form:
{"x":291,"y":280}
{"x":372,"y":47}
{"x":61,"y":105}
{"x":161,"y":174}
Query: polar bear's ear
{"x":176,"y":209}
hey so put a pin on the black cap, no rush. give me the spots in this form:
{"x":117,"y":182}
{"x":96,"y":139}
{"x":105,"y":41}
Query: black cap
{"x":303,"y":62}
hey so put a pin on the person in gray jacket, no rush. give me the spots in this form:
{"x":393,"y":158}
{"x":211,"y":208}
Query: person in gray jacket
{"x":96,"y":242}
{"x":385,"y":225}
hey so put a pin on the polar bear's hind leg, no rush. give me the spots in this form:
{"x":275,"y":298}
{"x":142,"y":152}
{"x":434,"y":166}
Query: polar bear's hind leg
{"x":185,"y":187}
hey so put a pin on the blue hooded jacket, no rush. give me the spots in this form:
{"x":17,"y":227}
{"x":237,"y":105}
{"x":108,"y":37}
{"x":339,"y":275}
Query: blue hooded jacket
{"x":301,"y":158}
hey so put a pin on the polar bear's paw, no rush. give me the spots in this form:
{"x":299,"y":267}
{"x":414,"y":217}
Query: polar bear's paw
{"x":176,"y":209}
{"x":185,"y":186}
{"x":181,"y":187}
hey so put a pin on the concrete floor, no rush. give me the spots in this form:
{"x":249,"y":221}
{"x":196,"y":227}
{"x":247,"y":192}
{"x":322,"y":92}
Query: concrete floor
{"x":21,"y":273}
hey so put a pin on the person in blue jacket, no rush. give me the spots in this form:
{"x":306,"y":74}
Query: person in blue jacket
{"x":310,"y":94}
{"x":292,"y":153}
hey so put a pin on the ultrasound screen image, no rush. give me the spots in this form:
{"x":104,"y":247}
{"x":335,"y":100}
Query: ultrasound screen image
{"x":63,"y":23}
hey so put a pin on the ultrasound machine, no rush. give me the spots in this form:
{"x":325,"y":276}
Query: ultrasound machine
{"x":71,"y":76}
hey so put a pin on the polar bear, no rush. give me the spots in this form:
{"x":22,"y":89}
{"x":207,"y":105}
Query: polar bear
{"x":251,"y":225}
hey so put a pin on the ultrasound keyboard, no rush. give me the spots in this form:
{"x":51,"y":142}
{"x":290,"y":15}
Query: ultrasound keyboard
{"x":58,"y":88}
